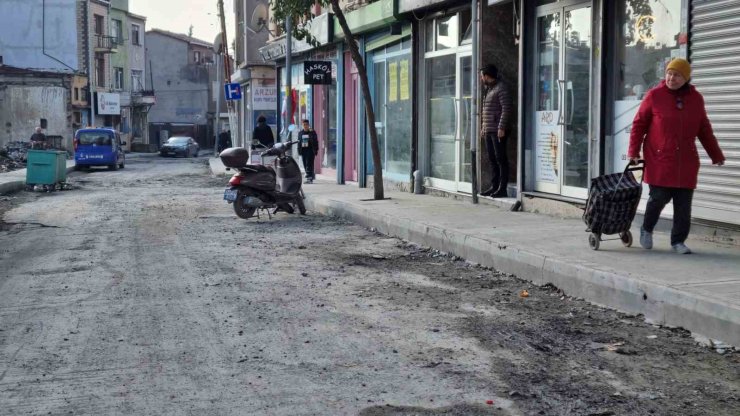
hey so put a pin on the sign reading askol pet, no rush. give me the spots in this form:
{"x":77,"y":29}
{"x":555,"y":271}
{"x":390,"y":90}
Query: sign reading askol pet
{"x":317,"y":72}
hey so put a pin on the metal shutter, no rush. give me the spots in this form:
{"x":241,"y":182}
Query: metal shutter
{"x":715,"y":61}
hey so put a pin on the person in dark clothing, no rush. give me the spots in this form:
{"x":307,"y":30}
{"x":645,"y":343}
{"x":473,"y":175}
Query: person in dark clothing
{"x":496,"y":117}
{"x":262,"y":134}
{"x":309,"y":144}
{"x":38,"y":139}
{"x":224,"y":140}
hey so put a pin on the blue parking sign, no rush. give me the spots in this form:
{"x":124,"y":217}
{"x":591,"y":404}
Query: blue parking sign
{"x":233,"y":91}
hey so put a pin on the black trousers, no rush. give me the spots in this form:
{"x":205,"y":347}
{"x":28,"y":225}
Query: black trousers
{"x":308,"y":158}
{"x":659,"y":197}
{"x":499,"y":161}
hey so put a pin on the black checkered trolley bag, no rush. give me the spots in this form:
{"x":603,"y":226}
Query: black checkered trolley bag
{"x":612,"y":204}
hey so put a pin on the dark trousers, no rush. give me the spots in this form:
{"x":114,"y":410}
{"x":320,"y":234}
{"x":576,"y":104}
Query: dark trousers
{"x":659,"y":197}
{"x":308,"y":157}
{"x":499,"y":162}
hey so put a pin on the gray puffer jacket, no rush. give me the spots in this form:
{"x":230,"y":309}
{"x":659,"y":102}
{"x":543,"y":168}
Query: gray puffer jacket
{"x":497,"y":108}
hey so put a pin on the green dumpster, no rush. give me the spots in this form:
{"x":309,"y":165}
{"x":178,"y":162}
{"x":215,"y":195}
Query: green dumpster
{"x":46,"y":167}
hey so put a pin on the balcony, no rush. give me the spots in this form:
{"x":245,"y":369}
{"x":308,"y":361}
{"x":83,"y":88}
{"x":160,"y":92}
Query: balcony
{"x":143,"y":98}
{"x":105,"y":44}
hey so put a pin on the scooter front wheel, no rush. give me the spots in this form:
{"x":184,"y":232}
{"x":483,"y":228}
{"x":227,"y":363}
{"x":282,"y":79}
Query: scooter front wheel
{"x":240,"y":209}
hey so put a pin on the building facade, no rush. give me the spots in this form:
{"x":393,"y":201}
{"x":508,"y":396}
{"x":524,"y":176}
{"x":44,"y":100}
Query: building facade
{"x":39,"y":59}
{"x":577,"y":69}
{"x":182,"y":68}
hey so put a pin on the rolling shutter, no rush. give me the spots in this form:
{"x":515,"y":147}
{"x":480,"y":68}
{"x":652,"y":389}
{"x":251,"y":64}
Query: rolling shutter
{"x":715,"y":61}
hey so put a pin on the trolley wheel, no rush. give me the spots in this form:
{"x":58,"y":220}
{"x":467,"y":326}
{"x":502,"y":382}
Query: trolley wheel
{"x":594,"y":240}
{"x":626,"y":238}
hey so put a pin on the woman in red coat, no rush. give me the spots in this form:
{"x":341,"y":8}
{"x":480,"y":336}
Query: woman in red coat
{"x":666,"y":126}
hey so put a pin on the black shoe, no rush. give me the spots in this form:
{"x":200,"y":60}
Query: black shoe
{"x":500,"y":194}
{"x":487,"y":192}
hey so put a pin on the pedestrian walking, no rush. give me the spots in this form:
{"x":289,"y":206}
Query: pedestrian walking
{"x":262,"y":134}
{"x":309,"y":143}
{"x":665,"y":128}
{"x":495,"y":129}
{"x":38,"y":139}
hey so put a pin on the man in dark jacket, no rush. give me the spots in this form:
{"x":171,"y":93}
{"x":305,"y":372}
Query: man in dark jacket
{"x":262,"y":134}
{"x":308,"y":142}
{"x":496,"y":117}
{"x":38,"y":139}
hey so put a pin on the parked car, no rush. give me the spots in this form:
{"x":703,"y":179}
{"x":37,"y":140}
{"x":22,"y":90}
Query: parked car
{"x":180,"y":146}
{"x":99,"y":147}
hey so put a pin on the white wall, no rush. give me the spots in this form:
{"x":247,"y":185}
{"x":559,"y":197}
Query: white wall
{"x":23,"y":27}
{"x":24,"y":106}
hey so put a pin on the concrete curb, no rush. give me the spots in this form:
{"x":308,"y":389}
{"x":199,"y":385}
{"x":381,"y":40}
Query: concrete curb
{"x":19,"y":185}
{"x":621,"y":291}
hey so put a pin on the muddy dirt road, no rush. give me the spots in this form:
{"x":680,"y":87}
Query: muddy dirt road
{"x":140,"y":293}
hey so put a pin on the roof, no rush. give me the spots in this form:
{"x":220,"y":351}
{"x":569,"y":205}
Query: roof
{"x":136,"y":16}
{"x":182,"y":37}
{"x":13,"y":70}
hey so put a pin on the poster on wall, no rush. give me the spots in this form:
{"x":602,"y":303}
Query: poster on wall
{"x":392,"y":82}
{"x":264,"y":98}
{"x":404,"y":80}
{"x":546,"y":148}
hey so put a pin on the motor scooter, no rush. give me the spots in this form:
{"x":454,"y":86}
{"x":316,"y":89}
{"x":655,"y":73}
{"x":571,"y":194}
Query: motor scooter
{"x":258,"y":187}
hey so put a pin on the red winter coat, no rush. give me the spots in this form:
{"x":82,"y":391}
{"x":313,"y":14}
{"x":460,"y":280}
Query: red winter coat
{"x":667,"y":136}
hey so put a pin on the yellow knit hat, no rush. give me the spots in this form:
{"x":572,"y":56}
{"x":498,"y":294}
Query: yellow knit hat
{"x":681,"y":66}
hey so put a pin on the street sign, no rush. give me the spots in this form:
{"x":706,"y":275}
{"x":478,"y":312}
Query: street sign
{"x":317,"y":72}
{"x":233,"y":91}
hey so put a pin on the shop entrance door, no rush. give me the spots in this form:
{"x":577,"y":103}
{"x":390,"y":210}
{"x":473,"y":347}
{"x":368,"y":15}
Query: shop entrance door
{"x":562,"y":115}
{"x":449,"y":121}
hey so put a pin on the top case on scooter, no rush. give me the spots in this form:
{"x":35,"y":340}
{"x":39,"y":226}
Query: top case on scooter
{"x":234,"y":157}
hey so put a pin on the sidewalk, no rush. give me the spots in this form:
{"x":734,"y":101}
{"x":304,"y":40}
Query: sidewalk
{"x":699,"y":292}
{"x":16,"y":180}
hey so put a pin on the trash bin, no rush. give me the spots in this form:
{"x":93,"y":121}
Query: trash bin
{"x":46,"y":167}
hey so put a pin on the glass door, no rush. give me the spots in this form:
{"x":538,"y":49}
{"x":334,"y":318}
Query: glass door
{"x":563,"y":99}
{"x":464,"y":111}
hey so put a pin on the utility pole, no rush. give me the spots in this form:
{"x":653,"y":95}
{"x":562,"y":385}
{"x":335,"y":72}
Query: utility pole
{"x":227,"y":75}
{"x":90,"y":66}
{"x":288,"y":71}
{"x":474,"y":102}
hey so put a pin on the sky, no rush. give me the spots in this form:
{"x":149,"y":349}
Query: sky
{"x":178,"y":15}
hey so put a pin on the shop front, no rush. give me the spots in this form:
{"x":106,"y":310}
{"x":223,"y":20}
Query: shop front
{"x":325,"y":110}
{"x":445,"y":99}
{"x":562,"y":93}
{"x":391,"y":77}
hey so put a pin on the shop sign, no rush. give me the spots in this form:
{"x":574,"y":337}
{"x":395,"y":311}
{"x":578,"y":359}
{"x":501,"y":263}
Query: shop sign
{"x":547,"y":134}
{"x":264,"y":98}
{"x":109,"y":104}
{"x":317,"y":72}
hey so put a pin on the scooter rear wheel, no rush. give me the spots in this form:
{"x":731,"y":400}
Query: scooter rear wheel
{"x":240,"y":209}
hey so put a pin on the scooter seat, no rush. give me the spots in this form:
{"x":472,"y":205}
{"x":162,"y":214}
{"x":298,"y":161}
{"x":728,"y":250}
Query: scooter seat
{"x":257,"y":168}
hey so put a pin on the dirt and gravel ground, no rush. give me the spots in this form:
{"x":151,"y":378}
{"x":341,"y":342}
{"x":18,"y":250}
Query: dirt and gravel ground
{"x":140,"y":292}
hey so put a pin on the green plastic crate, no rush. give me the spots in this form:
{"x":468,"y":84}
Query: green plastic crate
{"x":46,"y":167}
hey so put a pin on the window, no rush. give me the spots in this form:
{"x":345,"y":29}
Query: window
{"x":116,"y":30}
{"x":135,"y":30}
{"x":197,"y":57}
{"x":99,"y":25}
{"x":136,"y":80}
{"x":100,"y":71}
{"x":118,"y":78}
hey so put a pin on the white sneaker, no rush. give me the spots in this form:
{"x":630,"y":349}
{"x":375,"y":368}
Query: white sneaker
{"x":681,"y":248}
{"x":646,"y":239}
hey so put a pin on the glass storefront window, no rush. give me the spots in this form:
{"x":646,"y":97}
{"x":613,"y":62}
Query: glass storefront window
{"x":331,"y":159}
{"x":442,"y":115}
{"x":647,"y":42}
{"x":398,"y":114}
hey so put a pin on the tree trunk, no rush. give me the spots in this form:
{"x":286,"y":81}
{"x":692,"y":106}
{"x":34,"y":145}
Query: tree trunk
{"x":367,"y":98}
